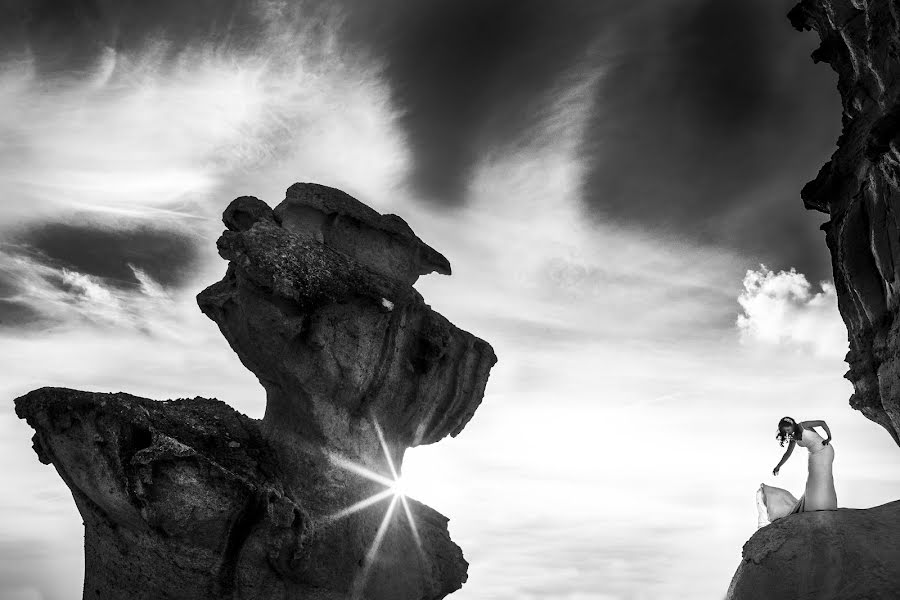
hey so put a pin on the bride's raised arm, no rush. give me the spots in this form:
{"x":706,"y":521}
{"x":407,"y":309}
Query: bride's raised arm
{"x":822,"y":424}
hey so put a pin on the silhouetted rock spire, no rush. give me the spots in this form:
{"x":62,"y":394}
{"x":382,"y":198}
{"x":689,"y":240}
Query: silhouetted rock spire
{"x":191,"y":499}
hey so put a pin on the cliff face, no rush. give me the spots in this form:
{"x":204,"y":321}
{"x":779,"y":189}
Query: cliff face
{"x":859,"y":188}
{"x":190,"y":499}
{"x":851,"y":554}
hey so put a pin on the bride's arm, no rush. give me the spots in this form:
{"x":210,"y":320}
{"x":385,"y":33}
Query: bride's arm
{"x":787,"y":454}
{"x":822,"y":424}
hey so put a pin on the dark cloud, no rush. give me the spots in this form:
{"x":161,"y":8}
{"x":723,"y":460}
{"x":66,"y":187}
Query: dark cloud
{"x":469,"y":75}
{"x":15,"y":314}
{"x":36,"y":292}
{"x":7,"y":288}
{"x":69,"y":35}
{"x":710,"y":119}
{"x":167,"y":256}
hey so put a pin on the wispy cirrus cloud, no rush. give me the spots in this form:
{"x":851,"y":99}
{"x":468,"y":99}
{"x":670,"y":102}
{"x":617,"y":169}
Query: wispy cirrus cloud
{"x":151,"y":127}
{"x":71,"y":274}
{"x":129,"y":160}
{"x":57,"y":297}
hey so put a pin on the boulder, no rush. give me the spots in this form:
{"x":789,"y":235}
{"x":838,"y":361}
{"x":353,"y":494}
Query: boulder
{"x":842,"y":554}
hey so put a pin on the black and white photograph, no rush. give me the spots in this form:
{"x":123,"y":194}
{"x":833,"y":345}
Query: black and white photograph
{"x":464,"y":299}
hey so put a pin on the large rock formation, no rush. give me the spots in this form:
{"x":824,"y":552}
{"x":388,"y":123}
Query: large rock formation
{"x":859,"y":188}
{"x":842,"y":554}
{"x":190,"y":499}
{"x":851,"y":554}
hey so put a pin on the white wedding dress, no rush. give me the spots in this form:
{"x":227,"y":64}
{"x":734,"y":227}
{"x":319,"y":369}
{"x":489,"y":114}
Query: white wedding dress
{"x":774,"y":502}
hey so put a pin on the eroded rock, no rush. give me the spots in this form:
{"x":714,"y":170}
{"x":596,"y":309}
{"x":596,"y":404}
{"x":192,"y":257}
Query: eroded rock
{"x":860,"y":189}
{"x":190,"y":499}
{"x":843,"y":554}
{"x":347,"y":341}
{"x":384,"y":243}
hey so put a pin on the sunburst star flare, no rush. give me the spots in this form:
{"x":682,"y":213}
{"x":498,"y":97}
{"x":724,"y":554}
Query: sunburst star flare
{"x":394,"y":489}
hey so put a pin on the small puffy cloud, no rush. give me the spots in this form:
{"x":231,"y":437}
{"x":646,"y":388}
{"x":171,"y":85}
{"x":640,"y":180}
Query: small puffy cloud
{"x":783,"y":308}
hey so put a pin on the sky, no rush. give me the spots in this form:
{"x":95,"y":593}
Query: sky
{"x":616,"y":186}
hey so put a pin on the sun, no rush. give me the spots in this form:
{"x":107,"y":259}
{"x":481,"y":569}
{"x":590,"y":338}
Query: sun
{"x":399,"y":487}
{"x":394,"y":488}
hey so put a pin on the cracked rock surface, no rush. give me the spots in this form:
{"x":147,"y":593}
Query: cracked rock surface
{"x":190,"y":499}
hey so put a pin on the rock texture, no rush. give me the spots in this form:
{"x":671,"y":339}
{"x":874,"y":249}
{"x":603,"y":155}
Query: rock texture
{"x":859,"y":188}
{"x":851,"y":554}
{"x":842,"y":554}
{"x":190,"y":499}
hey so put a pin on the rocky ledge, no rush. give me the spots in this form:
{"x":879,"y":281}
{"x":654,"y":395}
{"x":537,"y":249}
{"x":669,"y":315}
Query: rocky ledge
{"x":190,"y":499}
{"x":842,"y":554}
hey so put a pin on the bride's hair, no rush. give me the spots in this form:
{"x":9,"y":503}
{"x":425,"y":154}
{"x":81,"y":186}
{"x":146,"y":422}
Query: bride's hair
{"x":785,"y":422}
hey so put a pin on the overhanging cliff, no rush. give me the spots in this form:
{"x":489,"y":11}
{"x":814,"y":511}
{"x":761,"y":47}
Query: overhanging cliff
{"x":859,"y":188}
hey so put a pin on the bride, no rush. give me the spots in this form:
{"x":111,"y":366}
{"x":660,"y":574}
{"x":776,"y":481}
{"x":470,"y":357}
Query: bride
{"x":775,"y":503}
